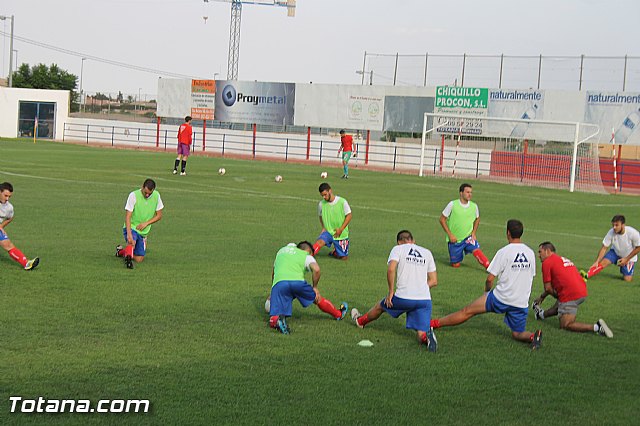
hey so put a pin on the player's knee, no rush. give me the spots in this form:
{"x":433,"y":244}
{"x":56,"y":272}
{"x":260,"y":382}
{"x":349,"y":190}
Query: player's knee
{"x":138,"y":259}
{"x":627,"y":278}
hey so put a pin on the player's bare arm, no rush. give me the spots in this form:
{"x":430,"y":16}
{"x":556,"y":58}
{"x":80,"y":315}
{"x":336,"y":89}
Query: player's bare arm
{"x":156,"y":217}
{"x":127,"y":222}
{"x":315,"y":274}
{"x":443,"y":223}
{"x":488,"y":284}
{"x":347,"y":219}
{"x":601,"y":254}
{"x":391,"y":279}
{"x":476,"y":223}
{"x":432,"y":279}
{"x":626,"y":259}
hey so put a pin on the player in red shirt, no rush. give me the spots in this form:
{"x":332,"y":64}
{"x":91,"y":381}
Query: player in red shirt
{"x":185,"y":134}
{"x":346,"y":148}
{"x":563,"y":281}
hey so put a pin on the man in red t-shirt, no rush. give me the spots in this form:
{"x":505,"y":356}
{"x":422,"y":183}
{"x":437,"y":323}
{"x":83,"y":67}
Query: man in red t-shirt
{"x":346,"y":148}
{"x":563,"y":281}
{"x":185,"y":133}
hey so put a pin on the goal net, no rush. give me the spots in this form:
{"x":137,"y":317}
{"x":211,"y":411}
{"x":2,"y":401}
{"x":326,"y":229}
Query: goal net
{"x":545,"y":153}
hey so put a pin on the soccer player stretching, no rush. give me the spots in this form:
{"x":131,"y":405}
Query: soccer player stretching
{"x":625,"y":245}
{"x":515,"y":267}
{"x":460,"y":220}
{"x":335,"y":214}
{"x":288,"y":283}
{"x":6,"y":216}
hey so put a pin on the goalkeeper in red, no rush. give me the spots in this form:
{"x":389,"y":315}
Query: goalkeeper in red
{"x":460,"y":220}
{"x":288,"y":283}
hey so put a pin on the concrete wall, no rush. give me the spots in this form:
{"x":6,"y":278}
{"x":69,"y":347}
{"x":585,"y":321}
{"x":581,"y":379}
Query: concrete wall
{"x":9,"y":108}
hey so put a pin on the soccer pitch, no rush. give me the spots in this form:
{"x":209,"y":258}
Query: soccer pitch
{"x":186,"y":329}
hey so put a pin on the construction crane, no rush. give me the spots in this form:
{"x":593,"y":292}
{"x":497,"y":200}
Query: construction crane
{"x":234,"y":28}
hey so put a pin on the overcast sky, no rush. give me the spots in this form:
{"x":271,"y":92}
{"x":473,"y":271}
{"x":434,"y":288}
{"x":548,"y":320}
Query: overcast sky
{"x":324,"y":43}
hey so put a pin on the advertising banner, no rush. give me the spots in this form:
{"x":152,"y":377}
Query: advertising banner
{"x":406,"y":113}
{"x":617,"y":113}
{"x":254,"y":102}
{"x":174,"y":97}
{"x":203,"y":99}
{"x":468,"y":101}
{"x":517,"y":104}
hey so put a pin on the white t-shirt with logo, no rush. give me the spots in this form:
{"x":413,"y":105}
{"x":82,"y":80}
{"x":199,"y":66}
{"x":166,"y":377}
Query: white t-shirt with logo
{"x":515,"y":267}
{"x":6,"y":211}
{"x":414,"y":262}
{"x":623,"y":244}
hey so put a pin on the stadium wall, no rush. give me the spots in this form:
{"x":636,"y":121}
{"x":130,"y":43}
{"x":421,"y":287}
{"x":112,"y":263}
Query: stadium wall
{"x":10,"y":99}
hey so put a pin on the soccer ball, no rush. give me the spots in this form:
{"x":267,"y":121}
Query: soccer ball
{"x":267,"y":305}
{"x":278,"y":178}
{"x":324,"y":175}
{"x":221,"y":171}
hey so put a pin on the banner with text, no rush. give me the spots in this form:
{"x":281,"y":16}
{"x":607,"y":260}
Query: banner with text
{"x":521,"y":105}
{"x":255,"y":102}
{"x":470,"y":102}
{"x":203,"y":99}
{"x":616,"y":113}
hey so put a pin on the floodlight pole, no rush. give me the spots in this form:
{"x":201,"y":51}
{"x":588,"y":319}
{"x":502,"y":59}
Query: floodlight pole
{"x":234,"y":40}
{"x":3,"y":18}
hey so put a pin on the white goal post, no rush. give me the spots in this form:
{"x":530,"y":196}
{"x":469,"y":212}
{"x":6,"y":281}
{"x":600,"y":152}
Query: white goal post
{"x":524,"y":151}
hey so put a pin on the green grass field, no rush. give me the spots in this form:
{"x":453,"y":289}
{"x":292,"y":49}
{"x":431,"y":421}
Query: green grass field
{"x":187,"y":329}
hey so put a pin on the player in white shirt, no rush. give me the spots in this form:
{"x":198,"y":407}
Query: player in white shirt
{"x":515,"y":266}
{"x":413,"y":269}
{"x":6,"y":216}
{"x":625,"y":245}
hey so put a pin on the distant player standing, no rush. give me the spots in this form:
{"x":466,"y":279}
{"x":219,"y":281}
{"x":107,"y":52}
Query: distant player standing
{"x":6,"y":216}
{"x":185,"y":137}
{"x":460,"y":220}
{"x":143,"y":208}
{"x":288,"y":283}
{"x":562,"y":280}
{"x":625,"y":245}
{"x":346,"y":148}
{"x":335,"y":215}
{"x":515,"y":267}
{"x":414,"y":270}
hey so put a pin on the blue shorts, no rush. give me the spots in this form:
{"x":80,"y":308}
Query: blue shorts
{"x":341,"y":247}
{"x":459,"y":249}
{"x":3,"y":235}
{"x":515,"y":318}
{"x":418,"y":312}
{"x":283,"y":293}
{"x":140,"y":248}
{"x":626,"y":270}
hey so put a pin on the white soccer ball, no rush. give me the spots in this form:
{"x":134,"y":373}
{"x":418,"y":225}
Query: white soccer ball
{"x":267,"y":305}
{"x":221,"y":171}
{"x":278,"y":178}
{"x":324,"y":175}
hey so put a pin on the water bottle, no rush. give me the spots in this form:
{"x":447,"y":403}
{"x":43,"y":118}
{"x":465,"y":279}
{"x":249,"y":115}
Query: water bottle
{"x":630,"y":123}
{"x":521,"y":128}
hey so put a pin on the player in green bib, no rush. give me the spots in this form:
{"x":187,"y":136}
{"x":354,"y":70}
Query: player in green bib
{"x":143,"y":208}
{"x":288,"y":283}
{"x":335,"y":214}
{"x":460,"y":220}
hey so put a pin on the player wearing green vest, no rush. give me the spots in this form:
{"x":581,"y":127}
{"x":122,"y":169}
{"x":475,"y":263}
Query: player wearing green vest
{"x":335,"y":214}
{"x":292,"y":261}
{"x":143,"y":208}
{"x":460,"y":220}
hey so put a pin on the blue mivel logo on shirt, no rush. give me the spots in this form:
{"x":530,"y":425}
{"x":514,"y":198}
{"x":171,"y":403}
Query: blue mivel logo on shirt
{"x":520,"y":261}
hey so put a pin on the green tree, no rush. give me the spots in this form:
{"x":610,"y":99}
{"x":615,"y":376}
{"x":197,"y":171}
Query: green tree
{"x":51,"y":77}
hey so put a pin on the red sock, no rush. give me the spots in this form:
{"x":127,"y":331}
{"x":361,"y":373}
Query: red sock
{"x":326,"y":306}
{"x":128,"y":251}
{"x":316,"y":248}
{"x":456,"y":265}
{"x":121,"y":253}
{"x":363,"y":320}
{"x":18,"y":256}
{"x":273,"y":321}
{"x":594,"y":270}
{"x":482,"y":259}
{"x":424,"y":339}
{"x":435,"y":323}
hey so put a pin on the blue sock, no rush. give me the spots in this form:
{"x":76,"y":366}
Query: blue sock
{"x":346,"y":170}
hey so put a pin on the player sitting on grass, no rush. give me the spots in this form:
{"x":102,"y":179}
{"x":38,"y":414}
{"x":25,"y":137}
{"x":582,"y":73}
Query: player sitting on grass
{"x":515,"y":267}
{"x":625,"y":245}
{"x":562,"y":280}
{"x":6,"y":216}
{"x":414,"y":269}
{"x":288,"y":283}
